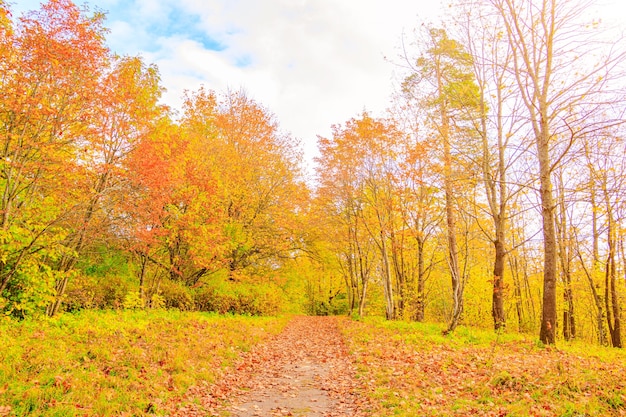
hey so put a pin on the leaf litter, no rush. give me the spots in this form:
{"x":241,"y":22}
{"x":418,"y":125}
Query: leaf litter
{"x":304,"y":371}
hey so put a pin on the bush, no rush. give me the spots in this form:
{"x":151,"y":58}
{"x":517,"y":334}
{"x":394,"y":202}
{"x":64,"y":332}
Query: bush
{"x":157,"y":301}
{"x":103,"y":292}
{"x":239,"y":298}
{"x":176,"y":295}
{"x":29,"y":291}
{"x":210,"y":299}
{"x":133,"y":301}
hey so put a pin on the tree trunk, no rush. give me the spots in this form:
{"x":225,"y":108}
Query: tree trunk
{"x":397,"y":256}
{"x":453,"y":251}
{"x":565,"y":250}
{"x":453,"y":260}
{"x":419,"y":305}
{"x":390,"y":312}
{"x":569,"y":324}
{"x":547,"y":333}
{"x":499,"y":320}
{"x":351,"y":279}
{"x":612,"y":298}
{"x":517,"y":293}
{"x":362,"y":300}
{"x":142,"y":278}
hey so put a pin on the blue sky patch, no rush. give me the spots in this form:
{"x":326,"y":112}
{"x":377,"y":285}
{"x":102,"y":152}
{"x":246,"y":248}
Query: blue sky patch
{"x":168,"y":20}
{"x":181,"y":24}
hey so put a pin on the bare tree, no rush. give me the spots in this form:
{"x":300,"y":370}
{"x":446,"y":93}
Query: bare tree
{"x":497,"y":124}
{"x":559,"y":90}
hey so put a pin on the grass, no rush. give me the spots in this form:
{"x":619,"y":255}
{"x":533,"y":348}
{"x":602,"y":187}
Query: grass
{"x":411,"y":369}
{"x":104,"y":363}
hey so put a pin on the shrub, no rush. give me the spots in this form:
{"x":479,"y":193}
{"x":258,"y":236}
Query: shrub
{"x":157,"y":301}
{"x":239,"y":298}
{"x":102,"y":292}
{"x":133,"y":301}
{"x":29,"y":291}
{"x":176,"y":295}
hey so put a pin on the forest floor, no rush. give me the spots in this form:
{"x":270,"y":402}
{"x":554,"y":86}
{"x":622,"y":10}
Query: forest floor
{"x":304,"y":371}
{"x":168,"y":363}
{"x":334,"y":366}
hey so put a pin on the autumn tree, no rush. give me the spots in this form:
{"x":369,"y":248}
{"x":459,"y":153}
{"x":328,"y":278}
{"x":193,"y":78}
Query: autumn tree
{"x":601,"y":256}
{"x":589,"y":256}
{"x":52,"y":61}
{"x":219,"y":190}
{"x":125,"y":111}
{"x":339,"y":196}
{"x":379,"y":173}
{"x":419,"y":197}
{"x":498,"y":124}
{"x":442,"y":80}
{"x":175,"y":215}
{"x":258,"y":170}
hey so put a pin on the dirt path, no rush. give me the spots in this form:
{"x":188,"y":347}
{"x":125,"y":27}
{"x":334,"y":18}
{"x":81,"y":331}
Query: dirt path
{"x":304,"y":371}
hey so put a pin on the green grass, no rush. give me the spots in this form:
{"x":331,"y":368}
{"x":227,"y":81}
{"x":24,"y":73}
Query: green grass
{"x":108,"y":363}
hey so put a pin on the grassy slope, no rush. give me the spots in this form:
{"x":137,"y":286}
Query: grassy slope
{"x":117,"y":363}
{"x":412,"y":370}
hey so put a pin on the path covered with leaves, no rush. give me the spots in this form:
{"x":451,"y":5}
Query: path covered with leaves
{"x":304,"y":371}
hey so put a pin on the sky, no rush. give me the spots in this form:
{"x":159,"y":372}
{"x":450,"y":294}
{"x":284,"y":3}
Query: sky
{"x":313,"y":63}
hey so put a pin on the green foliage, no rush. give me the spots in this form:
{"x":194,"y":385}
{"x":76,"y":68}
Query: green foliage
{"x":112,"y":363}
{"x":105,"y":261}
{"x":30,"y":278}
{"x":104,"y":280}
{"x":331,"y":306}
{"x":29,"y":291}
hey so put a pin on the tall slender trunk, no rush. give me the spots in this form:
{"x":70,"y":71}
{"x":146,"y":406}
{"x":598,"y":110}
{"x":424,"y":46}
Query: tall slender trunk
{"x":565,"y":250}
{"x":397,"y":257}
{"x":350,"y":279}
{"x":499,"y":320}
{"x":453,"y":250}
{"x":517,"y":293}
{"x":569,"y":322}
{"x":592,"y":273}
{"x":362,"y":270}
{"x":387,"y":284}
{"x":362,"y":300}
{"x":496,"y":192}
{"x":611,"y":297}
{"x":142,"y":277}
{"x":547,"y":333}
{"x":421,"y":276}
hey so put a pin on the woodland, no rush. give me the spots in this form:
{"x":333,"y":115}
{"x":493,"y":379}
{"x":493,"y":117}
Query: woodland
{"x":482,"y":217}
{"x":490,"y":194}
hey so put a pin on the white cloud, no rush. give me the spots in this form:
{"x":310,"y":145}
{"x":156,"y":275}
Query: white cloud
{"x":313,"y":63}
